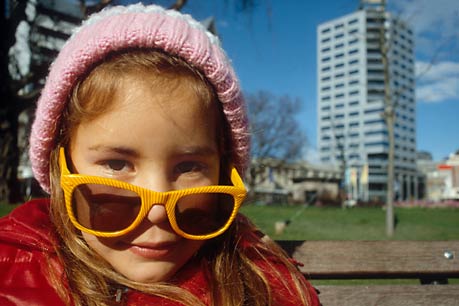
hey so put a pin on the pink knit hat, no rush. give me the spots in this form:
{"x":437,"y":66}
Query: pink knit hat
{"x":119,"y":28}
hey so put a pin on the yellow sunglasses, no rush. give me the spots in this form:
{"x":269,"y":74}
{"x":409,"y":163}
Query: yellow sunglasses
{"x":107,"y":207}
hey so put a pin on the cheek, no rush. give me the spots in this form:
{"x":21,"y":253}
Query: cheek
{"x":102,"y":246}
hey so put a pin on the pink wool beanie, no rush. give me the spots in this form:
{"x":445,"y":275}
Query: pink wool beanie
{"x":135,"y":26}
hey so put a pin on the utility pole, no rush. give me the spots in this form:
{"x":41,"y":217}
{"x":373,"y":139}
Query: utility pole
{"x":389,"y":116}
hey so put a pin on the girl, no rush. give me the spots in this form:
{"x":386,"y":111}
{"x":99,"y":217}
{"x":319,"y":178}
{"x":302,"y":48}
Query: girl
{"x":140,"y":137}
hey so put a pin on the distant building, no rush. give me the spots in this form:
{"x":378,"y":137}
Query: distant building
{"x":295,"y":183}
{"x":433,"y":181}
{"x":441,"y":178}
{"x":450,"y":170}
{"x":352,"y":133}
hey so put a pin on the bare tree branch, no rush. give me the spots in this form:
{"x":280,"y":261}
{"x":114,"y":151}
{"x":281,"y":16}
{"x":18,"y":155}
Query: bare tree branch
{"x":178,"y":5}
{"x":276,"y":133}
{"x":89,"y":9}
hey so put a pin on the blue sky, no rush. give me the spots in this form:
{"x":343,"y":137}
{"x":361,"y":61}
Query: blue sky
{"x":273,"y":48}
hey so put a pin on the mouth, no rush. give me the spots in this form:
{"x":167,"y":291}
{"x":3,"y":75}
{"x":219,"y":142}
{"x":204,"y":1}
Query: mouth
{"x":155,"y":251}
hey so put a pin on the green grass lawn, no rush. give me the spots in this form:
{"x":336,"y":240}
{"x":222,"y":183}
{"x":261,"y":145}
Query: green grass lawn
{"x":318,"y":223}
{"x":6,"y":208}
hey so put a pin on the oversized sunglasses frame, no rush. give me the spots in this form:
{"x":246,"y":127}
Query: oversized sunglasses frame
{"x":149,"y":198}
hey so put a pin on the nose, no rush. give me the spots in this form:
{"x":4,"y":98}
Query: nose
{"x":155,"y":180}
{"x":157,"y":214}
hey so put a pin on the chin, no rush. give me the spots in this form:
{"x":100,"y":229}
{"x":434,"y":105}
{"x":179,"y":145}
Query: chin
{"x":150,"y":273}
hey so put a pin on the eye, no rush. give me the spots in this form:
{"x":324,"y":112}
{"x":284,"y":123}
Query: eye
{"x":116,"y":164}
{"x":189,"y":167}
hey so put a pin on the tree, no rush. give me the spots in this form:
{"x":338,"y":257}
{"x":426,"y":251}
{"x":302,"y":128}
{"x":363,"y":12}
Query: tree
{"x":22,"y":77}
{"x":276,"y":133}
{"x":14,"y":101}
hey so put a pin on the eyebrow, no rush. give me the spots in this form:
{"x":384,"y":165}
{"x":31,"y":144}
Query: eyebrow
{"x":115,"y":149}
{"x":186,"y":150}
{"x":197,"y":150}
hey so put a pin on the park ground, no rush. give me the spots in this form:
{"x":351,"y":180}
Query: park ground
{"x":358,"y":223}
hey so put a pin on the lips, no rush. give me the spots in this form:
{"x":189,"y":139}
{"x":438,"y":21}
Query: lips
{"x":153,"y":250}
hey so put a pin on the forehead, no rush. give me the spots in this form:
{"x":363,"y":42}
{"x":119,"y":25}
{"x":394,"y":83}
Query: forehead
{"x":171,"y":97}
{"x":150,"y":118}
{"x":96,"y":93}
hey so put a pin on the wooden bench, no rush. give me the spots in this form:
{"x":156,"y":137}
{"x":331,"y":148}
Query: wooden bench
{"x":432,"y":262}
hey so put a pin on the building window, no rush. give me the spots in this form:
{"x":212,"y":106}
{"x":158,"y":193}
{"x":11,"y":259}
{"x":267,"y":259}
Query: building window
{"x":354,"y":92}
{"x":353,"y":82}
{"x":353,"y":145}
{"x":372,"y":111}
{"x":374,"y":61}
{"x":353,"y":124}
{"x":354,"y":156}
{"x":353,"y":31}
{"x":354,"y":41}
{"x":373,"y":133}
{"x":353,"y":62}
{"x":377,"y":144}
{"x":326,"y":30}
{"x":375,"y":121}
{"x":353,"y":21}
{"x":353,"y":51}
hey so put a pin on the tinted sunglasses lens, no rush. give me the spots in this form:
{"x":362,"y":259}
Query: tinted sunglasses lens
{"x":105,"y":208}
{"x":203,"y":213}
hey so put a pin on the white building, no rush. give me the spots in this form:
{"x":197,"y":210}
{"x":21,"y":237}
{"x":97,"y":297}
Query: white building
{"x":352,"y":133}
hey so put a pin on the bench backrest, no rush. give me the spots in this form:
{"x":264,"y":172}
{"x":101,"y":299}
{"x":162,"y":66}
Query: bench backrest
{"x":433,"y":262}
{"x":375,"y":259}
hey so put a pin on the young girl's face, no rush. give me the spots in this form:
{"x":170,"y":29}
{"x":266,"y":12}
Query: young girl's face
{"x":160,"y":138}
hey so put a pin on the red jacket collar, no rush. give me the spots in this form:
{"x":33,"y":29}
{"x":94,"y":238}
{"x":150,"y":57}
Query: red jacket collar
{"x":29,"y":225}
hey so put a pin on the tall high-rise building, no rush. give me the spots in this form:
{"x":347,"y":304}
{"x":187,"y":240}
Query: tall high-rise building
{"x":352,"y":132}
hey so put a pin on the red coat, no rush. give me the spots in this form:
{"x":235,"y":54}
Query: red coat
{"x":26,"y":241}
